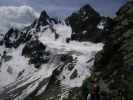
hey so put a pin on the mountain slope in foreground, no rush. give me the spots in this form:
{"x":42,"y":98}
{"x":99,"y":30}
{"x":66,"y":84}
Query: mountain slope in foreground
{"x":114,"y":64}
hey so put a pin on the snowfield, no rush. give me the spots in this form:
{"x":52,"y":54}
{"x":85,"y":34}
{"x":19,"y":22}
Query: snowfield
{"x":17,"y":73}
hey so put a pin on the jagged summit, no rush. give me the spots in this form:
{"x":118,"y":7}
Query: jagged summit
{"x":84,"y":24}
{"x":43,"y":15}
{"x":43,"y":19}
{"x":89,"y":10}
{"x":14,"y":37}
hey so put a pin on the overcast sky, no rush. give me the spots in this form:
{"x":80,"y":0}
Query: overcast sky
{"x":66,"y":7}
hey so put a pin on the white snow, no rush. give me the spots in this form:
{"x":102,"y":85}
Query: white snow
{"x":62,"y":30}
{"x":101,"y":25}
{"x":81,"y":51}
{"x":17,"y":64}
{"x":82,"y":70}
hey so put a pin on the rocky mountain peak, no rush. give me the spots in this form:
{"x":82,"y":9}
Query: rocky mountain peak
{"x":43,"y":14}
{"x":89,"y":10}
{"x":43,"y":18}
{"x":84,"y":24}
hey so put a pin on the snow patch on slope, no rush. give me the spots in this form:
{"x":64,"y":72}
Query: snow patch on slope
{"x":48,"y":35}
{"x":16,"y":64}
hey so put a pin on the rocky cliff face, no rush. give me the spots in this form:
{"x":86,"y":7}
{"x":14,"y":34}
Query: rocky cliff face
{"x":84,"y":23}
{"x":87,"y":24}
{"x":114,"y":64}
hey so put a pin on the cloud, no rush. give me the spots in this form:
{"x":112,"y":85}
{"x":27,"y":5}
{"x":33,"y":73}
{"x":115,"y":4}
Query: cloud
{"x":12,"y":16}
{"x":66,"y":7}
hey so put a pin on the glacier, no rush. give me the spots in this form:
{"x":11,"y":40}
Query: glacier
{"x":69,"y":63}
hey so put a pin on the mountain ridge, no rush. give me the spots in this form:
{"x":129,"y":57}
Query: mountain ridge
{"x":42,"y":59}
